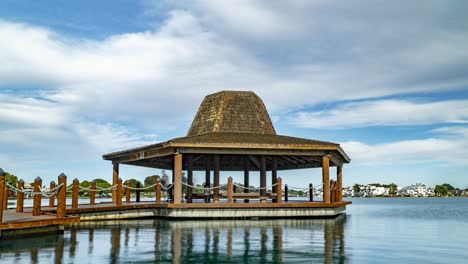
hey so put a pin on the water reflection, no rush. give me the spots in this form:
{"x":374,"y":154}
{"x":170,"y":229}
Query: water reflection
{"x":263,"y":241}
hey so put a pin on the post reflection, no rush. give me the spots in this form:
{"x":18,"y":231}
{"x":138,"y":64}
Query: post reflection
{"x":264,"y":241}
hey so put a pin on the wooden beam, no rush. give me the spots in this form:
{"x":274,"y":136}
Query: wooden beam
{"x":249,"y":151}
{"x":177,"y":176}
{"x":262,"y":175}
{"x":326,"y":178}
{"x":115,"y":178}
{"x":255,"y":161}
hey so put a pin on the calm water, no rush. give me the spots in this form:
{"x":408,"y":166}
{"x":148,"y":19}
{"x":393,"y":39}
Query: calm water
{"x":373,"y":231}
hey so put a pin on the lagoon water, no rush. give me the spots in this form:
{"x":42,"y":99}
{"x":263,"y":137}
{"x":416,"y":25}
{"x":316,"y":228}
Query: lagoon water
{"x":374,"y":230}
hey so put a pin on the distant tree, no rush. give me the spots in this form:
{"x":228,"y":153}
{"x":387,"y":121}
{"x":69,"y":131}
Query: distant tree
{"x":356,"y":189}
{"x":393,"y":189}
{"x":449,"y":187}
{"x":151,"y":180}
{"x":441,"y":190}
{"x":11,"y":179}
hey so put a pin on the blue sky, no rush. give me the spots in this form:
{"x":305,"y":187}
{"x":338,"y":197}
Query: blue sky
{"x":388,"y":80}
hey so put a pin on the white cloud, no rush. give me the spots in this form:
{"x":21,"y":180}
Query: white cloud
{"x":384,"y":113}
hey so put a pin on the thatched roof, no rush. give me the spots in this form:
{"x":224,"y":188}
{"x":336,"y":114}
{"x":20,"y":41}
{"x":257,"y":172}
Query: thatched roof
{"x":233,"y":123}
{"x":232,"y":112}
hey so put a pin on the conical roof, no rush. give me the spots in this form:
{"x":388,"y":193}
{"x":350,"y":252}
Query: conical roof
{"x":232,"y":112}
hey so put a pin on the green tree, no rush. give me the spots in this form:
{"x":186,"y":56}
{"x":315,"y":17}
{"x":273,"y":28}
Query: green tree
{"x":448,"y":186}
{"x":393,"y":189}
{"x":441,"y":190}
{"x":356,"y":189}
{"x":151,"y":180}
{"x":11,"y":179}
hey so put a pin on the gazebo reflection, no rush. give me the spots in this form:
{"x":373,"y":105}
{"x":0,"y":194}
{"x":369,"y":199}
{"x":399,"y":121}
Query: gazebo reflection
{"x":317,"y":240}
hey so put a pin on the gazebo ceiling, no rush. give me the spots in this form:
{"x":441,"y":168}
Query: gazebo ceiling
{"x":235,"y":125}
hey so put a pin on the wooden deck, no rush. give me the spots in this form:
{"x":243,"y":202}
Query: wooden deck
{"x":15,"y":224}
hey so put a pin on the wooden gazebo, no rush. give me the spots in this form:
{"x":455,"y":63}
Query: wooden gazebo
{"x":232,"y":131}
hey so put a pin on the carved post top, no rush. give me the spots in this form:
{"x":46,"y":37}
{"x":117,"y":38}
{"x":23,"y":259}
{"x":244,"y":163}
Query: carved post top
{"x":62,"y":175}
{"x":278,"y":179}
{"x":158,"y":180}
{"x":76,"y":180}
{"x":21,"y":182}
{"x":2,"y":173}
{"x":52,"y":183}
{"x":230,"y":179}
{"x":127,"y":183}
{"x":38,"y":179}
{"x":119,"y":180}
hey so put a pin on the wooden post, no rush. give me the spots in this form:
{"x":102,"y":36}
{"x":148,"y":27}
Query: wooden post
{"x":207,"y":171}
{"x":75,"y":185}
{"x":52,"y":198}
{"x":229,"y":191}
{"x":127,"y":193}
{"x":262,"y":175}
{"x":177,"y":176}
{"x":216,"y":168}
{"x":339,"y":179}
{"x":189,"y":177}
{"x":246,"y":177}
{"x":279,"y":190}
{"x":20,"y":197}
{"x":115,"y":179}
{"x":286,"y":189}
{"x":37,"y":197}
{"x":92,"y":193}
{"x":274,"y":173}
{"x":5,"y":197}
{"x":332,"y":191}
{"x":137,"y":194}
{"x":158,"y":190}
{"x":119,"y":192}
{"x":62,"y":195}
{"x":2,"y":185}
{"x":311,"y":192}
{"x":326,"y":178}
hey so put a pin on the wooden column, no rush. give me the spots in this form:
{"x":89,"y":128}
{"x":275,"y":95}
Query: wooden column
{"x":115,"y":179}
{"x":332,"y":191}
{"x":207,"y":171}
{"x":52,"y":198}
{"x":118,"y":195}
{"x":5,"y":197}
{"x":274,"y":173}
{"x":286,"y":189}
{"x":339,"y":179}
{"x":262,"y":175}
{"x":311,"y":192}
{"x":279,"y":190}
{"x":127,"y":192}
{"x":177,"y":176}
{"x":92,"y":193}
{"x":229,"y":190}
{"x":20,"y":197}
{"x":326,"y":178}
{"x":189,"y":177}
{"x":137,"y":194}
{"x":37,"y":197}
{"x":216,"y":168}
{"x":2,"y":186}
{"x":158,"y":190}
{"x":75,"y":185}
{"x":62,"y":195}
{"x":246,"y":176}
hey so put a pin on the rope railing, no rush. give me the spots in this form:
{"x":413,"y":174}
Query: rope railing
{"x":255,"y":188}
{"x":42,"y":191}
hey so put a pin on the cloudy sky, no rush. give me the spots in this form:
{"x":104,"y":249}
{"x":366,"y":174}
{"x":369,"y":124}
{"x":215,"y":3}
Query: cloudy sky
{"x":388,"y":80}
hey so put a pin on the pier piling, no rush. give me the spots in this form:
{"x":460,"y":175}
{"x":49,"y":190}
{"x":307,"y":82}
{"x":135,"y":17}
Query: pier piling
{"x":76,"y":183}
{"x":20,"y":197}
{"x":62,"y":195}
{"x":37,"y":197}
